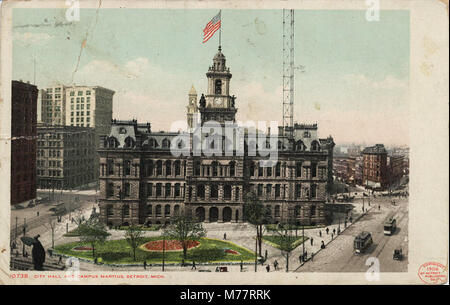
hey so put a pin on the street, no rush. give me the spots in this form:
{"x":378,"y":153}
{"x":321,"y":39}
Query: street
{"x":339,"y":256}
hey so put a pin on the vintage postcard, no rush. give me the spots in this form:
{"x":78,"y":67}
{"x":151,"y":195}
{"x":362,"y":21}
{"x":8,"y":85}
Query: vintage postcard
{"x":213,"y":142}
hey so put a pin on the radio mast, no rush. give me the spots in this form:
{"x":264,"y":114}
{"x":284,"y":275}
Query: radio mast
{"x":288,"y":72}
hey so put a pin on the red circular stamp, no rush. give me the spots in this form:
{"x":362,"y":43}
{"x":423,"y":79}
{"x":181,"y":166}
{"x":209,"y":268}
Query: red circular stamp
{"x":433,"y":273}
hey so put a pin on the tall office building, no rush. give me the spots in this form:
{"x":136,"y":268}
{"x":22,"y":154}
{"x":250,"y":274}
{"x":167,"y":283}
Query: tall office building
{"x":23,"y":144}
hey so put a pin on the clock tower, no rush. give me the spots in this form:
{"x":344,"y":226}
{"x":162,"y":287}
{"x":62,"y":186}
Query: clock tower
{"x":217,"y":104}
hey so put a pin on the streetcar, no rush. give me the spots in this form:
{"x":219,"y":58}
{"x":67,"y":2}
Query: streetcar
{"x":362,"y":242}
{"x":390,"y":226}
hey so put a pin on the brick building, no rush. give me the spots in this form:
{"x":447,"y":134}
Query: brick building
{"x":375,"y":175}
{"x":23,"y":144}
{"x":395,"y":166}
{"x":65,"y":157}
{"x":142,"y":181}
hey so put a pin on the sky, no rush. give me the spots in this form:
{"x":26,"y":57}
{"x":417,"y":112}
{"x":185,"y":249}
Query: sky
{"x":354,"y":83}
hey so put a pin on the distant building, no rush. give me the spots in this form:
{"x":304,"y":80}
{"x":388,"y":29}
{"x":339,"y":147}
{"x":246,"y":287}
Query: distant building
{"x":375,"y":167}
{"x":344,"y":169}
{"x":79,"y":106}
{"x":23,"y":144}
{"x":53,"y":105}
{"x":395,"y":170}
{"x":65,"y":157}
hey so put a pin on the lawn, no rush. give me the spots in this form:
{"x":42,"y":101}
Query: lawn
{"x":120,"y":252}
{"x":275,"y":240}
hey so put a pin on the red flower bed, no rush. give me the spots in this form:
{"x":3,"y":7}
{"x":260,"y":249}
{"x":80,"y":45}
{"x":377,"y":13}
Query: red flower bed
{"x":170,"y":245}
{"x":231,"y":251}
{"x":82,"y":248}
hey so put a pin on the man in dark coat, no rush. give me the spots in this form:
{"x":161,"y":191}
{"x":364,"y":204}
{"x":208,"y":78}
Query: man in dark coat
{"x":38,"y":254}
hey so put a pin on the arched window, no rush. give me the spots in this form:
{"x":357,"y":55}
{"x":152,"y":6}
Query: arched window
{"x":158,"y":210}
{"x":168,"y":168}
{"x":214,"y":169}
{"x":112,"y":142}
{"x":218,"y":87}
{"x":300,"y":146}
{"x":315,"y":146}
{"x":159,"y":167}
{"x":227,"y":192}
{"x":177,"y":190}
{"x":214,"y":191}
{"x":177,"y":168}
{"x":153,"y":143}
{"x":149,"y":209}
{"x":167,"y":210}
{"x":197,"y":168}
{"x":165,"y":143}
{"x":167,"y":189}
{"x":201,"y":191}
{"x":149,"y":168}
{"x":129,"y":142}
{"x":232,"y":168}
{"x":126,"y":210}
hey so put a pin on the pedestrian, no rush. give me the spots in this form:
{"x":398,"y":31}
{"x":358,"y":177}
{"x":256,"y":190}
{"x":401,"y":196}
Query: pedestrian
{"x":322,"y":246}
{"x":300,"y":258}
{"x":320,"y":233}
{"x":379,"y":207}
{"x":306,"y":256}
{"x":225,"y":236}
{"x":332,"y":236}
{"x":275,"y":265}
{"x":145,"y":265}
{"x":60,"y":260}
{"x":312,"y":256}
{"x":327,"y":230}
{"x":312,"y":241}
{"x":37,"y":213}
{"x":265,"y":254}
{"x":268,"y":268}
{"x":241,"y":265}
{"x":95,"y":260}
{"x":334,"y":231}
{"x":193,"y":265}
{"x":345,"y":223}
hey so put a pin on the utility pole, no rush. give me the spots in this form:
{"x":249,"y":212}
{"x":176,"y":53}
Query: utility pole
{"x":24,"y":232}
{"x":15,"y":234}
{"x":164,"y":251}
{"x":256,"y":254}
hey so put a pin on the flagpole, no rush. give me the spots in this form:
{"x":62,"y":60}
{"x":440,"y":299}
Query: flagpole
{"x":220,"y":30}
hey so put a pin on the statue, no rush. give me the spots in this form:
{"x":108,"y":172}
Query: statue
{"x":232,"y":101}
{"x":202,"y":101}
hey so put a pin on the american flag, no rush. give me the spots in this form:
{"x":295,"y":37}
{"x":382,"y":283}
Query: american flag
{"x":211,"y":28}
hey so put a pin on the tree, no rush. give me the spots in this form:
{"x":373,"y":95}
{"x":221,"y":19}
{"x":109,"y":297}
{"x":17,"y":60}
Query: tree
{"x":286,"y":239}
{"x":133,"y":236}
{"x":184,"y":229}
{"x":92,"y":232}
{"x":255,"y":214}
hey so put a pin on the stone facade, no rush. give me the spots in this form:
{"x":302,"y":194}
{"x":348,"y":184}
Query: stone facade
{"x":143,"y":182}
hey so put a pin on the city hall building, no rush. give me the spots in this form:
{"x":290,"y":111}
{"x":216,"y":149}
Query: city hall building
{"x":143,"y":182}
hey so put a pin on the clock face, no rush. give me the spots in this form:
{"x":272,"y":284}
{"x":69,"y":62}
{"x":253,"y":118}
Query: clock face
{"x":217,"y":102}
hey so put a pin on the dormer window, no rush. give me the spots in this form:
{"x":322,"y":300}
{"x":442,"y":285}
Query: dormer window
{"x":218,"y":87}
